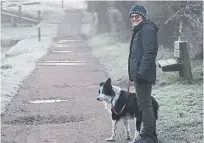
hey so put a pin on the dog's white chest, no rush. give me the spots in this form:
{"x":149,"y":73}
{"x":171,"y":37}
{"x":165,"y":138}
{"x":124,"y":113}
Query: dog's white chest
{"x":108,"y":107}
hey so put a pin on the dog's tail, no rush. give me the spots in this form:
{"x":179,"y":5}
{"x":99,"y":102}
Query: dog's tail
{"x":155,"y":107}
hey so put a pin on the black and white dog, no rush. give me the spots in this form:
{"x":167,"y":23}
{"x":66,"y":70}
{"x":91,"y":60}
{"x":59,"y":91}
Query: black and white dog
{"x":122,"y":105}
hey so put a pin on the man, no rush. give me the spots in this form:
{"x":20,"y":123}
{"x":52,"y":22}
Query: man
{"x":142,"y":68}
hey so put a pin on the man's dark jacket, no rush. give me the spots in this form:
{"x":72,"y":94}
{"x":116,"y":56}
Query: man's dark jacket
{"x":143,"y":52}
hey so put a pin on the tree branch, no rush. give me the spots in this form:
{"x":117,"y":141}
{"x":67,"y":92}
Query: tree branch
{"x":172,"y":17}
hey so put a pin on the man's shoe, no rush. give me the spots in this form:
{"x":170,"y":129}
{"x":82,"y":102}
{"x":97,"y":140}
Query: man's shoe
{"x":146,"y":138}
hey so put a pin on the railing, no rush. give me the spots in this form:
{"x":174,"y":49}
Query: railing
{"x":15,"y":17}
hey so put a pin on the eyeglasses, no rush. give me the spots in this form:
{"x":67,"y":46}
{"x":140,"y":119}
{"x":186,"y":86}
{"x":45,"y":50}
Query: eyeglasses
{"x":134,"y":16}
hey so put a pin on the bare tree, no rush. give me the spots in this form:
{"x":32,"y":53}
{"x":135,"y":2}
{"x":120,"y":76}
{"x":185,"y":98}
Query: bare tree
{"x":166,"y":14}
{"x":100,"y":7}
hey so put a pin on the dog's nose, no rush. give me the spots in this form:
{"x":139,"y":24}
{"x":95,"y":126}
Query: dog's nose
{"x":97,"y":98}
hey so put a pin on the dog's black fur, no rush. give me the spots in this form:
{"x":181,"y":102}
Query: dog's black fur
{"x":131,"y":108}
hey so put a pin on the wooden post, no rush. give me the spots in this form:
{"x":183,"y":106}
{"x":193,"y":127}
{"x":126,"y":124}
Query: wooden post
{"x":19,"y":10}
{"x":185,"y":70}
{"x":62,"y":3}
{"x":39,"y":16}
{"x":180,"y":28}
{"x":39,"y":33}
{"x":19,"y":13}
{"x":13,"y":21}
{"x":1,"y":5}
{"x":39,"y":30}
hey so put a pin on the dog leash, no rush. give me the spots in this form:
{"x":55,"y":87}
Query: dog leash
{"x":128,"y":88}
{"x":113,"y":109}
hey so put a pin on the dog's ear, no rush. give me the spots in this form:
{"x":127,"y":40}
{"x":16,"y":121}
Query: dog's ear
{"x":108,"y":82}
{"x":108,"y":87}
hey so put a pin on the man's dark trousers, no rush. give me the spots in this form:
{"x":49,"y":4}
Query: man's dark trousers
{"x":143,"y":95}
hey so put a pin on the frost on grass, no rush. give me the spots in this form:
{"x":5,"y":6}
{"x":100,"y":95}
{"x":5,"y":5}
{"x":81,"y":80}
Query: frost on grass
{"x":112,"y":54}
{"x":180,"y":113}
{"x":27,"y":51}
{"x":20,"y":33}
{"x":27,"y":55}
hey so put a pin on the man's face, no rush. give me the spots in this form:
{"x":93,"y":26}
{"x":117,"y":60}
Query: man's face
{"x":136,"y":19}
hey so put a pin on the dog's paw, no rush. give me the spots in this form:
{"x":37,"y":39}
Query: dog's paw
{"x":110,"y":139}
{"x":138,"y":138}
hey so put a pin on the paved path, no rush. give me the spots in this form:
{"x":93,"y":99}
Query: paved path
{"x":79,"y":118}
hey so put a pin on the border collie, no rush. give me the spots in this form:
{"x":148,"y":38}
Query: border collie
{"x":122,"y":105}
